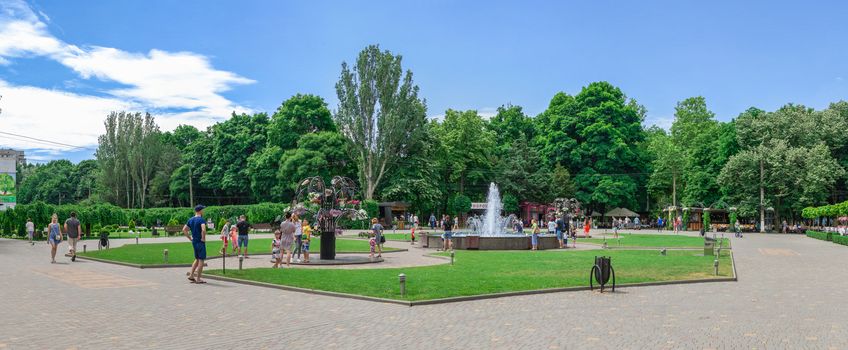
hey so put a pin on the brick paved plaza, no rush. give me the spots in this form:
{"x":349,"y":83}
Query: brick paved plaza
{"x":789,"y":295}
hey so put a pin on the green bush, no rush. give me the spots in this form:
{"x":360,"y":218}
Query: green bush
{"x":843,"y":240}
{"x":824,"y":236}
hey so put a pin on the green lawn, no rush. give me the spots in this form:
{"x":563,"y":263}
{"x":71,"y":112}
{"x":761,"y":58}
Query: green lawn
{"x":658,"y":241}
{"x":182,"y":252}
{"x":486,"y":272}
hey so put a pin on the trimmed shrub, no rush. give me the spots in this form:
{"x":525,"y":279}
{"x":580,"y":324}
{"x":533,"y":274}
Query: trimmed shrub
{"x":824,"y":236}
{"x":843,"y":240}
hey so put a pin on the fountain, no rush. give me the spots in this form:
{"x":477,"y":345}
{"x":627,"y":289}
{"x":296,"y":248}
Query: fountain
{"x":492,"y":231}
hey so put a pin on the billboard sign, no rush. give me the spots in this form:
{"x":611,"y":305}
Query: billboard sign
{"x":8,"y":192}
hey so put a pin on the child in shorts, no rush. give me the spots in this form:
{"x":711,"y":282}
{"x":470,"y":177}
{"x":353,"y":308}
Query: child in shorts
{"x":276,"y":247}
{"x":307,"y":237}
{"x":413,"y":236}
{"x":234,"y":238}
{"x":225,"y":237}
{"x":373,"y":243}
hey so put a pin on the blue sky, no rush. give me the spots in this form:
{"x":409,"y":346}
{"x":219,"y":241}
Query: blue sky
{"x":64,"y":64}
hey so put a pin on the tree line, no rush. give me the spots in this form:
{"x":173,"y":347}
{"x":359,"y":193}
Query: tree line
{"x":592,"y":146}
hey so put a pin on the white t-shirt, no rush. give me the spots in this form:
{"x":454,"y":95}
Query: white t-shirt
{"x":551,"y":226}
{"x":30,"y":227}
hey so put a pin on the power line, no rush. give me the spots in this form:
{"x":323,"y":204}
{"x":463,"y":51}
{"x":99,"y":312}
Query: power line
{"x":46,"y":141}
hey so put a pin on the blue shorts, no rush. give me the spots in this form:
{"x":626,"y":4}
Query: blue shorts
{"x":199,"y":250}
{"x":242,"y":241}
{"x":534,"y":239}
{"x":448,"y":235}
{"x":559,"y":235}
{"x":305,"y":247}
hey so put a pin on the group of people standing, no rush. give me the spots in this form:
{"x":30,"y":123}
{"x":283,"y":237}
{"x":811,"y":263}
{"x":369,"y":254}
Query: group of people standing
{"x":293,"y":237}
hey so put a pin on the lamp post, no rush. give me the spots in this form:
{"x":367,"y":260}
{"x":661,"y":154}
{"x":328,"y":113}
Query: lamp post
{"x":402,"y":280}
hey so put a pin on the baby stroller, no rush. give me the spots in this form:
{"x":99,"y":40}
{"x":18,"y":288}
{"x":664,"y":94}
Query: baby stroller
{"x":104,"y":240}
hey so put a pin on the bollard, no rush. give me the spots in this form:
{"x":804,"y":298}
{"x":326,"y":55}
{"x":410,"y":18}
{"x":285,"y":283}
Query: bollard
{"x":165,"y":256}
{"x":605,"y":245}
{"x":83,"y":248}
{"x":241,"y":260}
{"x":715,"y":264}
{"x":402,"y":279}
{"x":453,"y":253}
{"x":663,"y":252}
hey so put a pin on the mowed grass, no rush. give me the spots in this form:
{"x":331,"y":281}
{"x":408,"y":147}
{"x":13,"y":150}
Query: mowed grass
{"x":486,"y":272}
{"x":182,"y":252}
{"x":658,"y":241}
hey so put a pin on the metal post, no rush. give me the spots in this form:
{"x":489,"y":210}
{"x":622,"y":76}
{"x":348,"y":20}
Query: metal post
{"x":165,"y":255}
{"x":663,"y":252}
{"x":83,"y":248}
{"x":241,"y":260}
{"x":402,"y":279}
{"x":453,"y":253}
{"x":715,"y":264}
{"x":224,"y":260}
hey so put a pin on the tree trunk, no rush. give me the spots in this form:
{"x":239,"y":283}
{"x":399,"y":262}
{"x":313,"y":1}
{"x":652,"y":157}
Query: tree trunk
{"x":762,"y":201}
{"x":674,"y":191}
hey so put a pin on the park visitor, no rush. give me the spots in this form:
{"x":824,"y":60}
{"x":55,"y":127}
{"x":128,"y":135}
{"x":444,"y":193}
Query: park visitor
{"x":276,"y":246}
{"x":432,"y":221}
{"x":659,"y":223}
{"x":30,"y":229}
{"x":54,"y":237}
{"x":288,"y":228}
{"x":615,"y":224}
{"x":551,"y":227}
{"x":307,"y":238}
{"x":225,"y":237}
{"x":298,"y":236}
{"x":412,"y":236}
{"x":518,"y":227}
{"x":456,"y":222}
{"x":534,"y":238}
{"x":72,"y":229}
{"x":785,"y":227}
{"x":586,"y":226}
{"x":372,"y":242}
{"x":377,"y":230}
{"x":448,"y":235}
{"x":560,"y":227}
{"x":243,"y":229}
{"x":234,"y":239}
{"x":195,"y":231}
{"x":415,"y":221}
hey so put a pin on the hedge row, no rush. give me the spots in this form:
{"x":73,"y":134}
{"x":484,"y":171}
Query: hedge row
{"x":14,"y":220}
{"x":828,"y":236}
{"x":824,"y":236}
{"x":832,"y":210}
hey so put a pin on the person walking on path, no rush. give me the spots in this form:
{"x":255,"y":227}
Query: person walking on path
{"x":587,"y":224}
{"x":54,"y":237}
{"x":534,"y":238}
{"x":225,"y":237}
{"x":30,"y":229}
{"x":432,"y":221}
{"x":298,"y":237}
{"x":377,"y":230}
{"x":243,"y":229}
{"x":72,"y":229}
{"x":287,"y":227}
{"x":195,"y":231}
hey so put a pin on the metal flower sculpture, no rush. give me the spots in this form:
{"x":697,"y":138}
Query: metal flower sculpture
{"x":569,"y":206}
{"x":327,"y":204}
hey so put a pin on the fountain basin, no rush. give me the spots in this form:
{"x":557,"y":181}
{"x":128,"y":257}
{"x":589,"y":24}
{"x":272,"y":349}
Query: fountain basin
{"x":502,"y":242}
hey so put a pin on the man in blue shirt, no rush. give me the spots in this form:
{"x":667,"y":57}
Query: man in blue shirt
{"x":197,"y":226}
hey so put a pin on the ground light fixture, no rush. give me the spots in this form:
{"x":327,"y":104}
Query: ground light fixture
{"x":402,"y":280}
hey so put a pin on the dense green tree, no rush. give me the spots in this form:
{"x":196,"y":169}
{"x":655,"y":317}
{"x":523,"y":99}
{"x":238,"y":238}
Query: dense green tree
{"x":319,"y":154}
{"x":509,"y":125}
{"x":465,"y":155}
{"x":416,"y":180}
{"x":297,"y":116}
{"x":50,"y":183}
{"x":127,"y":155}
{"x":233,"y":141}
{"x":380,"y":112}
{"x":597,"y":135}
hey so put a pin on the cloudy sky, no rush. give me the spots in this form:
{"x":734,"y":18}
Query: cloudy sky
{"x":64,"y":65}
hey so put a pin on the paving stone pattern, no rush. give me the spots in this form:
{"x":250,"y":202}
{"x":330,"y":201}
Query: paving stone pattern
{"x":790,"y":294}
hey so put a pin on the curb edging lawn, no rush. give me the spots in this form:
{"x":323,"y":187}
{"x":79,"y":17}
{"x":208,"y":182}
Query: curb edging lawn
{"x":733,"y":278}
{"x":161,"y":266}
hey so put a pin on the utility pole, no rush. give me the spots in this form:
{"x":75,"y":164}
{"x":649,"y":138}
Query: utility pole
{"x":190,"y":187}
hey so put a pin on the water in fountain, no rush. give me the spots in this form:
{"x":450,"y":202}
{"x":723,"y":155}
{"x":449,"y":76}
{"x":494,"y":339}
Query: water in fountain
{"x":492,"y":223}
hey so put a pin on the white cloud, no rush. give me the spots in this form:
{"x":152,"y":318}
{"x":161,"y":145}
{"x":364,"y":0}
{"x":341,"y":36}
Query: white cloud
{"x":158,"y":81}
{"x":53,"y":115}
{"x":662,"y":122}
